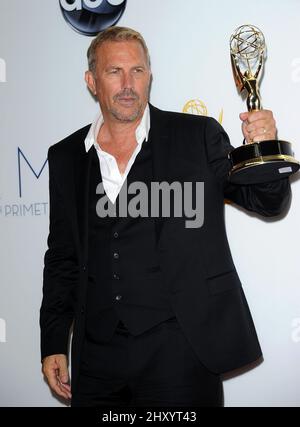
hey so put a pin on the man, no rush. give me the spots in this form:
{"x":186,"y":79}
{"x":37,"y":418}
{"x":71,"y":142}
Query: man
{"x":157,"y":308}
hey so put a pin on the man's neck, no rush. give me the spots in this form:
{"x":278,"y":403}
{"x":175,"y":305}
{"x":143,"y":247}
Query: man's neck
{"x":118,"y":134}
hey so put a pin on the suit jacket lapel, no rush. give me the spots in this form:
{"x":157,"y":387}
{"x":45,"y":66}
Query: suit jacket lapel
{"x":82,"y":179}
{"x":160,"y":140}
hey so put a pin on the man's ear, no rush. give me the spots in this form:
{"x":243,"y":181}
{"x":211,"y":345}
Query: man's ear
{"x":90,"y":81}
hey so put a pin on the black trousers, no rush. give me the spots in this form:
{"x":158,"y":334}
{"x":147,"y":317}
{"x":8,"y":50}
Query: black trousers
{"x":156,"y":368}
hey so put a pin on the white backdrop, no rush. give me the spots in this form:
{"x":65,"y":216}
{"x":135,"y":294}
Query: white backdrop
{"x":44,"y":98}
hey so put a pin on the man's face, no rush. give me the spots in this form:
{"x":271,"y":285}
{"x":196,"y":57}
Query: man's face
{"x":121,"y":81}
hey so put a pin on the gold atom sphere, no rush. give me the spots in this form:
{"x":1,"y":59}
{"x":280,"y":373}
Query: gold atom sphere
{"x":195,"y":106}
{"x":247,"y":42}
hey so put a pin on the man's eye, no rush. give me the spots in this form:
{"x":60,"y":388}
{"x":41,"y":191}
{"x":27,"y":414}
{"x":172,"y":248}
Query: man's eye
{"x":138,"y":70}
{"x":113,"y":71}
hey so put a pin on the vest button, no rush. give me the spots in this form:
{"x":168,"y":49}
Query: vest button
{"x":116,"y":276}
{"x":118,"y":297}
{"x":116,"y":234}
{"x":116,"y":255}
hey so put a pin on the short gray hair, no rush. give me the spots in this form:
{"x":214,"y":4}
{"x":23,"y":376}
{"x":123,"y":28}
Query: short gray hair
{"x":114,"y":34}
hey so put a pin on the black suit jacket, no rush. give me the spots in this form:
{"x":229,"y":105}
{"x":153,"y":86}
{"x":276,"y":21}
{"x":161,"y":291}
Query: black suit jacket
{"x":206,"y":293}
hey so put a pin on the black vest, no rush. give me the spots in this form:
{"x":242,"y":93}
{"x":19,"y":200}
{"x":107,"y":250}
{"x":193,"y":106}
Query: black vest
{"x":125,"y":279}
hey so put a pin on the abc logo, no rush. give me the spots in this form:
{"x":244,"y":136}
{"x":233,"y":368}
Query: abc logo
{"x":89,"y":17}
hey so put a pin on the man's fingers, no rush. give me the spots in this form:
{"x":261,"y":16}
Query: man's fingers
{"x":65,"y":390}
{"x":66,"y":386}
{"x":55,"y":369}
{"x":63,"y":377}
{"x":59,"y":388}
{"x":245,"y":132}
{"x":61,"y":392}
{"x":260,"y":130}
{"x":244,"y":116}
{"x":260,"y":115}
{"x":63,"y":373}
{"x":259,"y":126}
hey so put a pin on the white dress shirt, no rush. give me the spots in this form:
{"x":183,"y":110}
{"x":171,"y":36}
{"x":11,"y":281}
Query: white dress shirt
{"x":111,"y":176}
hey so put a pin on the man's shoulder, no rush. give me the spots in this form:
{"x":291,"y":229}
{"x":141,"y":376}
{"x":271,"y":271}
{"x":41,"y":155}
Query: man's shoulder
{"x":71,"y":143}
{"x":181,"y":119}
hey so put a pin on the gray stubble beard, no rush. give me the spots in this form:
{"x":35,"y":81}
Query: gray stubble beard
{"x":126,"y":119}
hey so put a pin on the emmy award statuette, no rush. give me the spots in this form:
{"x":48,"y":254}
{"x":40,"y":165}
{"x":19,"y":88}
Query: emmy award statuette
{"x":263,"y":161}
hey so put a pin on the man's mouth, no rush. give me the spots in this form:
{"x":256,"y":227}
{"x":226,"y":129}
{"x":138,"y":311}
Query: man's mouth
{"x":127,"y":101}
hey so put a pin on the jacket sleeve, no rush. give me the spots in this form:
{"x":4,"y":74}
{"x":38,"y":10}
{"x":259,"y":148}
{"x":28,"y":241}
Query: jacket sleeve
{"x":268,"y":199}
{"x":60,"y":274}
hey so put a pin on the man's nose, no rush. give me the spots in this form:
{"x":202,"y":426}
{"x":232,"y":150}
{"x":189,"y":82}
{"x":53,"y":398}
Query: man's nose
{"x":127,"y":81}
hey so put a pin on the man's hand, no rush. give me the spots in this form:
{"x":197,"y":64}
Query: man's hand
{"x":55,"y":369}
{"x":258,"y":126}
